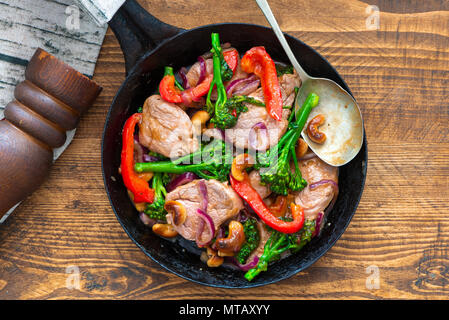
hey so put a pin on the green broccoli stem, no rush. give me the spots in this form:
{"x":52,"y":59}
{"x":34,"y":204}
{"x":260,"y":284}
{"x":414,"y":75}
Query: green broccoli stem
{"x":167,"y":167}
{"x":270,"y":252}
{"x":310,"y":103}
{"x":217,"y":81}
{"x":212,"y":161}
{"x":198,"y":155}
{"x":293,"y":135}
{"x":279,"y":243}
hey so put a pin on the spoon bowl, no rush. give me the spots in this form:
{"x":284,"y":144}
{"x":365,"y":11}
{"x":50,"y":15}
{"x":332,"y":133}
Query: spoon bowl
{"x":343,"y":125}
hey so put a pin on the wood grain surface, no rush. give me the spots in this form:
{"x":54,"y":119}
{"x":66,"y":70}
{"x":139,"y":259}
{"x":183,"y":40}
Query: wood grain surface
{"x":399,"y":74}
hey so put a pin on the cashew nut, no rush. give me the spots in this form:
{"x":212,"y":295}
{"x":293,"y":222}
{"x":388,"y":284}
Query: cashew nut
{"x":213,"y":260}
{"x":177,"y":210}
{"x":201,"y":117}
{"x":225,"y":254}
{"x":312,"y":129}
{"x":165,"y":230}
{"x":199,"y":120}
{"x":233,"y":242}
{"x":239,"y":164}
{"x":139,"y":206}
{"x":145,"y":175}
{"x":301,"y":148}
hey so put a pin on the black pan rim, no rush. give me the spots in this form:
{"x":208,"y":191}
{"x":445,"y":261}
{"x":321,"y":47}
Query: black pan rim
{"x":249,"y":285}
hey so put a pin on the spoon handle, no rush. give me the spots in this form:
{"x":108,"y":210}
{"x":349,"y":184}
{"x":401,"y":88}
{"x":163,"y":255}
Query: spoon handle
{"x":266,"y":10}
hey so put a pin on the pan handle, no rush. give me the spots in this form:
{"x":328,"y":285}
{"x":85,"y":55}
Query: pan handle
{"x":138,"y":31}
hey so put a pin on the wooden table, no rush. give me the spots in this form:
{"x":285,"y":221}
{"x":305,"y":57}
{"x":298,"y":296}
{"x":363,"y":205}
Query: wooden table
{"x":399,"y":74}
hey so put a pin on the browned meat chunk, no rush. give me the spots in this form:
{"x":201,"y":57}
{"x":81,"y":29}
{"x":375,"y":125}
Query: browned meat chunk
{"x":288,"y":84}
{"x":316,"y":200}
{"x":194,"y":73}
{"x":223,"y":204}
{"x":166,"y":128}
{"x":263,"y":190}
{"x":240,"y":133}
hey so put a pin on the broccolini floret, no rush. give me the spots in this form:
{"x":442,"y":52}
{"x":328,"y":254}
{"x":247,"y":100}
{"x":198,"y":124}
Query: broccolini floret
{"x":275,"y":163}
{"x":252,"y":239}
{"x":156,"y":209}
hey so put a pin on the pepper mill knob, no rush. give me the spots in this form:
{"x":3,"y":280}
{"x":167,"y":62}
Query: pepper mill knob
{"x":49,"y":102}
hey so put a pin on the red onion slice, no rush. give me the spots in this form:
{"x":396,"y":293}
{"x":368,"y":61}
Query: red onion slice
{"x":246,"y":266}
{"x":203,"y":193}
{"x":183,"y":75}
{"x":325,"y":181}
{"x":181,"y":180}
{"x":220,"y":234}
{"x":202,"y":69}
{"x":206,"y":221}
{"x":148,"y":158}
{"x":146,"y":220}
{"x":252,"y":136}
{"x":138,"y":152}
{"x":248,"y":88}
{"x":240,"y":83}
{"x":141,"y":152}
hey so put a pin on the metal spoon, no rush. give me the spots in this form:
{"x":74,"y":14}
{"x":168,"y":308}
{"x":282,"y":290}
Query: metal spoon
{"x":343,"y":124}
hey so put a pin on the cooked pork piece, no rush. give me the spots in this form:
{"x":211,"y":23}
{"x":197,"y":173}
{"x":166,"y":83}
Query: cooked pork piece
{"x":242,"y":87}
{"x":194,"y":73}
{"x":166,"y":128}
{"x":239,"y":73}
{"x":316,"y":200}
{"x":288,"y":84}
{"x":245,"y":129}
{"x":223,"y":204}
{"x":240,"y":133}
{"x":263,"y":190}
{"x":213,"y":133}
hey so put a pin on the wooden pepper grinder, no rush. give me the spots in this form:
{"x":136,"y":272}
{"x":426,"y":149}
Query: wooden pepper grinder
{"x":47,"y":104}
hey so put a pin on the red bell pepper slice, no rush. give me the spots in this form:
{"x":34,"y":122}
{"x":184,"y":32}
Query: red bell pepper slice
{"x":258,"y":61}
{"x":255,"y":201}
{"x":195,"y":94}
{"x":138,"y":186}
{"x":170,"y":93}
{"x":232,"y":59}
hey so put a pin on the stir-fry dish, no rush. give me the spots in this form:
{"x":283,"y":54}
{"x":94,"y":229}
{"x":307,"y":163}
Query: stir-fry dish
{"x":216,"y":157}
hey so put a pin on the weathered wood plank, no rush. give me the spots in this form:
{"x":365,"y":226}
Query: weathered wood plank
{"x":27,"y":25}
